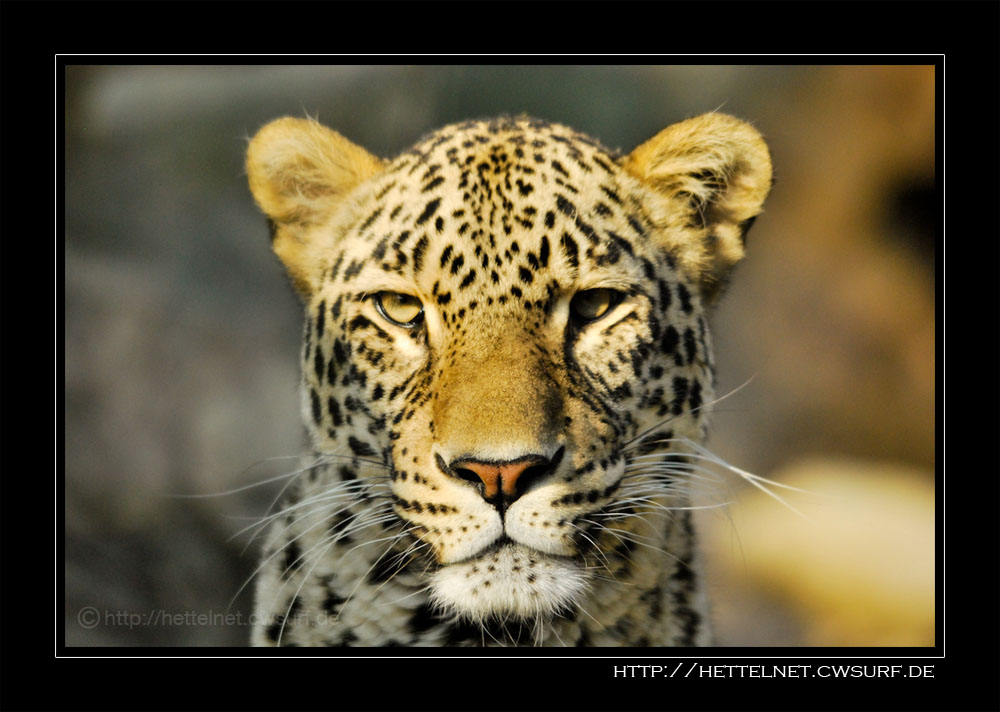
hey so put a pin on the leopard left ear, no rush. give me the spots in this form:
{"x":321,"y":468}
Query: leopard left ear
{"x":710,"y":175}
{"x":301,"y":175}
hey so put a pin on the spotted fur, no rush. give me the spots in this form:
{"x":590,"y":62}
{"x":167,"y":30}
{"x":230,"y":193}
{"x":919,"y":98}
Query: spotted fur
{"x":486,"y":473}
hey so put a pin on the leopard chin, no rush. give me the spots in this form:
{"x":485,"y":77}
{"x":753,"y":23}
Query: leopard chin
{"x":511,"y":581}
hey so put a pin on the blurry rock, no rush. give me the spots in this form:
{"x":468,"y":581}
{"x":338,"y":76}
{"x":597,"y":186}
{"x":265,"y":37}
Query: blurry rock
{"x":857,"y":569}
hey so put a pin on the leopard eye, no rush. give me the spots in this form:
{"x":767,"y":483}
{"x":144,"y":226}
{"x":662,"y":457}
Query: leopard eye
{"x":592,"y":304}
{"x":399,"y":309}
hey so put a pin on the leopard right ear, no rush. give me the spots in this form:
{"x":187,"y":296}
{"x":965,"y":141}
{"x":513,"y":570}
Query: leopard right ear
{"x":300,"y":174}
{"x":712,"y":174}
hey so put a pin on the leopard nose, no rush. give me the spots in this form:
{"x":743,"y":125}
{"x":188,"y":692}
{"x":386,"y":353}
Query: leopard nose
{"x":503,"y":482}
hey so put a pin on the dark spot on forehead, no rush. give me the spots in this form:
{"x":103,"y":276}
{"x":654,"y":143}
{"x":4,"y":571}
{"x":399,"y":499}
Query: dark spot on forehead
{"x":429,"y":211}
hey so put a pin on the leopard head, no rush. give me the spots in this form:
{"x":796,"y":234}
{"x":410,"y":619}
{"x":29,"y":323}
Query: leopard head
{"x":496,"y":321}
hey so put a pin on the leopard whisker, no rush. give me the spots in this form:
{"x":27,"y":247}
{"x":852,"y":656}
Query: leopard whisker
{"x":286,"y":544}
{"x":307,"y":503}
{"x":638,"y":439}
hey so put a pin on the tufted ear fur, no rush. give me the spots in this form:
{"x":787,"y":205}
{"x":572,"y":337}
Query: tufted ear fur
{"x":717,"y":170}
{"x":301,"y":174}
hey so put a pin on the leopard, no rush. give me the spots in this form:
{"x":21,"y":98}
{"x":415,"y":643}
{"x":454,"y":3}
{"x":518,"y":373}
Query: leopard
{"x":506,"y":380}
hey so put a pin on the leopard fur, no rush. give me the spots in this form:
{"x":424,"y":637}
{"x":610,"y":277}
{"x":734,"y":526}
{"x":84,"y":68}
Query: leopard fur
{"x":506,"y":350}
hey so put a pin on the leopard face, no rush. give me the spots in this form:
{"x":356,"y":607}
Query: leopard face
{"x":503,"y":326}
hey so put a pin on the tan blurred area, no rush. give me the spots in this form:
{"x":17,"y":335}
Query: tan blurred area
{"x":837,"y":312}
{"x":850,"y":563}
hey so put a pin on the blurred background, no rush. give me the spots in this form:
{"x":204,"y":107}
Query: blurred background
{"x":182,"y":334}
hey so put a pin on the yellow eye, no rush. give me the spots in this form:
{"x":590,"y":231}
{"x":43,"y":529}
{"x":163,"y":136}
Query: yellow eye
{"x":400,"y":309}
{"x":592,"y":304}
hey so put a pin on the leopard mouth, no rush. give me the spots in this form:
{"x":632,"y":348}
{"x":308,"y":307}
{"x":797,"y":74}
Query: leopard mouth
{"x":502,"y":543}
{"x":509,"y":580}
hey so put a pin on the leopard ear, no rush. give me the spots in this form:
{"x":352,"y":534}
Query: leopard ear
{"x":301,"y":174}
{"x":711,"y":175}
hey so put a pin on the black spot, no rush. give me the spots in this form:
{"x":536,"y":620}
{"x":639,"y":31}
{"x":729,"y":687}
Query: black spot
{"x":335,"y":414}
{"x":625,"y":548}
{"x":611,"y":194}
{"x":434,"y":184}
{"x":346,"y":641}
{"x":469,"y":279}
{"x":360,"y":322}
{"x":695,"y":398}
{"x":446,"y":255}
{"x":317,"y":408}
{"x":621,"y":392}
{"x":291,"y":559}
{"x":381,"y":194}
{"x":685,"y":297}
{"x":664,"y":295}
{"x":457,"y":265}
{"x":636,"y":225}
{"x":423,"y":619}
{"x":371,"y":218}
{"x":418,"y":253}
{"x":332,"y":602}
{"x":359,"y":448}
{"x":543,"y":252}
{"x":571,"y":249}
{"x":524,"y":273}
{"x":603,"y":165}
{"x":331,"y":372}
{"x":352,"y":404}
{"x":680,"y":395}
{"x":689,"y":623}
{"x":320,"y":318}
{"x":464,"y":632}
{"x":339,"y":353}
{"x":689,"y":345}
{"x":550,"y":219}
{"x":353,"y":269}
{"x":429,"y":211}
{"x":588,"y":232}
{"x":565,"y":207}
{"x":336,"y":266}
{"x":622,"y":243}
{"x":379,"y":252}
{"x":318,"y":364}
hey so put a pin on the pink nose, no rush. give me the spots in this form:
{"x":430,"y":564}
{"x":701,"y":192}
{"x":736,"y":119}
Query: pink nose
{"x":497,"y":477}
{"x":503,"y":482}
